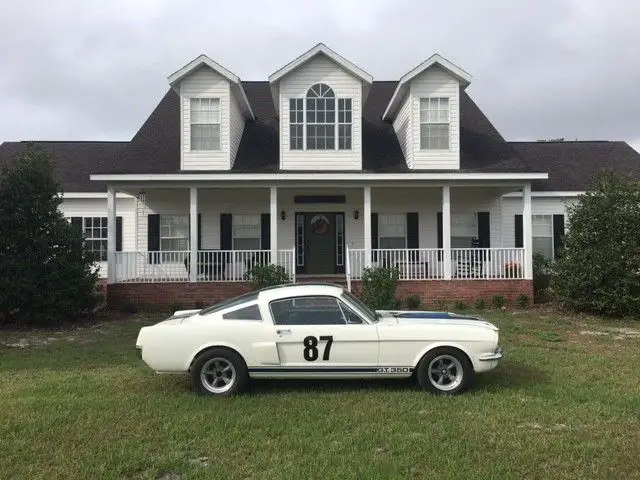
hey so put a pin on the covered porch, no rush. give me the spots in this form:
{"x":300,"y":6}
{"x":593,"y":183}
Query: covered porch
{"x":427,"y":230}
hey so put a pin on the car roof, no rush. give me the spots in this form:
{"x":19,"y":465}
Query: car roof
{"x":300,"y":290}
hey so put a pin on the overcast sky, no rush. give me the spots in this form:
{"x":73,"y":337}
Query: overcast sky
{"x":94,"y":70}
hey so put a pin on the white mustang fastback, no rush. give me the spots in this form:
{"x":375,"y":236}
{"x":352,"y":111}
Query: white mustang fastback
{"x":317,"y":331}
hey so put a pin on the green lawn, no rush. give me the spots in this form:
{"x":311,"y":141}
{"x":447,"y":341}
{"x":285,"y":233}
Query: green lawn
{"x":565,"y":403}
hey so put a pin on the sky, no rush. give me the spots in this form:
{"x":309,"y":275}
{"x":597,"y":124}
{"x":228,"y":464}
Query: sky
{"x":94,"y":70}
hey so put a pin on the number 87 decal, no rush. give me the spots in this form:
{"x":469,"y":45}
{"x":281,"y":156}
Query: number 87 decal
{"x":310,"y":350}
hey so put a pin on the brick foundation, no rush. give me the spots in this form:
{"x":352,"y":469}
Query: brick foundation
{"x":189,"y":295}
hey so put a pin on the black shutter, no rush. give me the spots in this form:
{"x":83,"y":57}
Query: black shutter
{"x":374,"y":236}
{"x":76,"y":222}
{"x":484,"y":231}
{"x":265,"y":231}
{"x":518,"y":229}
{"x":199,"y":231}
{"x":118,"y":234}
{"x":413,"y":238}
{"x":153,"y":237}
{"x":440,"y":235}
{"x":226,"y":235}
{"x":558,"y":234}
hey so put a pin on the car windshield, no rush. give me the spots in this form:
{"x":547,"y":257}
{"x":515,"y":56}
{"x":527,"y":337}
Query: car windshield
{"x":231,"y":302}
{"x":371,"y":315}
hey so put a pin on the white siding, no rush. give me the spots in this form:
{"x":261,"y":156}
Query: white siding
{"x":236,"y":119}
{"x":402,"y":127}
{"x":295,"y":85}
{"x":97,"y":207}
{"x":435,"y":82}
{"x":512,"y":206}
{"x":204,"y":82}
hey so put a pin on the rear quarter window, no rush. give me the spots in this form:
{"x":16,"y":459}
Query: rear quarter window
{"x":252,"y":312}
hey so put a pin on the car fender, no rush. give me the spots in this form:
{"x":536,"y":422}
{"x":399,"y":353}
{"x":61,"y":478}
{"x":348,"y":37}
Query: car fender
{"x":434,"y":345}
{"x":222,"y":344}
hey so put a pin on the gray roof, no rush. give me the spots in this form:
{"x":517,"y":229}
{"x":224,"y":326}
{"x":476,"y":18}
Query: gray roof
{"x":573,"y":164}
{"x":155,"y":148}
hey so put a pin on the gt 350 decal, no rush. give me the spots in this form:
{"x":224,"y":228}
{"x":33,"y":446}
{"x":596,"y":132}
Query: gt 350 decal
{"x":395,"y":369}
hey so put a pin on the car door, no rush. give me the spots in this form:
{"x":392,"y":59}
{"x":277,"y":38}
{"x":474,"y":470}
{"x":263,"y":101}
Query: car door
{"x":321,"y":335}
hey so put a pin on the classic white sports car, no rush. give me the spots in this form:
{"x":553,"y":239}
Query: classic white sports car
{"x":317,"y":331}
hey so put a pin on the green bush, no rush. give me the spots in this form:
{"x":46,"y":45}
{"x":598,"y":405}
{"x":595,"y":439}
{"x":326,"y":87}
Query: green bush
{"x":379,"y":288}
{"x":175,"y":306}
{"x":441,"y":305}
{"x":498,"y":301}
{"x":130,"y":308}
{"x":542,"y":272}
{"x":460,"y":305}
{"x":523,"y":301}
{"x":47,"y":276}
{"x":480,"y":304}
{"x":599,"y":270}
{"x":262,"y":276}
{"x":413,"y":302}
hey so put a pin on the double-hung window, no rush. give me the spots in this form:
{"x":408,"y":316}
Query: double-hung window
{"x":174,"y":233}
{"x":246,"y":232}
{"x":205,"y":124}
{"x":320,"y":120}
{"x":392,"y":230}
{"x":434,"y":123}
{"x":464,"y":228}
{"x":542,"y":232}
{"x":95,"y":236}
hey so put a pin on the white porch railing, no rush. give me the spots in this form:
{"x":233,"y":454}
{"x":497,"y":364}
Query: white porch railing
{"x":213,"y":265}
{"x":428,"y":264}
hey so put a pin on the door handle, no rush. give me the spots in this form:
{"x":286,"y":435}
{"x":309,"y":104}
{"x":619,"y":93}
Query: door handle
{"x":283,"y":331}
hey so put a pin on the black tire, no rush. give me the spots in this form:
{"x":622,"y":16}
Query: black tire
{"x":451,"y":371}
{"x":227,"y":373}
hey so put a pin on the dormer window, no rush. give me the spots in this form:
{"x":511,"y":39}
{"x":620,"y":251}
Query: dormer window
{"x":318,"y":119}
{"x":434,"y":123}
{"x":205,"y":124}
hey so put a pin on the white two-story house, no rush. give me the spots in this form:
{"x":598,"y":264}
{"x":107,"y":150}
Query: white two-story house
{"x":324,"y":171}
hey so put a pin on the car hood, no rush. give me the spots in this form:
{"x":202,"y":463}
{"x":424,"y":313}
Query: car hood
{"x":412,"y":317}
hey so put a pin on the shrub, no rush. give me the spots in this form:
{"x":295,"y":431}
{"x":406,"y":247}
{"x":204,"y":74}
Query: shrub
{"x":542,"y":272}
{"x":48,"y":277}
{"x":460,"y":305}
{"x":498,"y":301}
{"x":130,"y":308}
{"x":413,"y":302}
{"x":441,"y":305}
{"x":480,"y":304}
{"x":175,"y":306}
{"x":262,"y":276}
{"x":598,"y":271}
{"x":523,"y":301}
{"x":379,"y":288}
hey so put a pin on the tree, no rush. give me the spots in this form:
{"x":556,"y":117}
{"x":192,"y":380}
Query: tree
{"x":599,"y":270}
{"x":46,"y":276}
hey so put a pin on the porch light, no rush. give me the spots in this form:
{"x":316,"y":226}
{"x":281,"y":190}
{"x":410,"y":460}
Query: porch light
{"x":356,"y":214}
{"x":142,"y":196}
{"x":283,"y":215}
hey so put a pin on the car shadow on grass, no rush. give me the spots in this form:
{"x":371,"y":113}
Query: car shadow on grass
{"x":511,"y":374}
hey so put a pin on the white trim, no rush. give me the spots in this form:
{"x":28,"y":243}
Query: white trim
{"x":177,"y":76}
{"x":367,"y":225}
{"x":111,"y":233}
{"x":558,"y":193}
{"x":273,"y":220}
{"x":463,"y":77}
{"x":321,"y":48}
{"x":315,"y":176}
{"x":446,"y":231}
{"x":527,"y":232}
{"x":193,"y":234}
{"x":69,"y":195}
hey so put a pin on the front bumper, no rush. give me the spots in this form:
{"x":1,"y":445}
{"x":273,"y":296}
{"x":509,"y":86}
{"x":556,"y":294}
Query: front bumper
{"x":492,"y":357}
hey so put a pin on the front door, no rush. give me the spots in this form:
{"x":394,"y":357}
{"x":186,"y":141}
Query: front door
{"x":321,"y":335}
{"x":320,"y":243}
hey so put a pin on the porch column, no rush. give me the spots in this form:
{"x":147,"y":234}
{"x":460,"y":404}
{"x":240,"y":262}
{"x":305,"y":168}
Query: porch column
{"x":111,"y":234}
{"x":527,"y":232}
{"x":367,"y":226}
{"x":273,"y":219}
{"x":193,"y":234}
{"x":446,"y":231}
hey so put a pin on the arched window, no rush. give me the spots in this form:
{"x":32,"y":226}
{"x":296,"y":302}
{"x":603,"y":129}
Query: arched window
{"x":320,"y":117}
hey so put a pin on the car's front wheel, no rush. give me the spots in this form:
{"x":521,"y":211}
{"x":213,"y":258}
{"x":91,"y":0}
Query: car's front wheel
{"x":219,"y":372}
{"x":445,"y":370}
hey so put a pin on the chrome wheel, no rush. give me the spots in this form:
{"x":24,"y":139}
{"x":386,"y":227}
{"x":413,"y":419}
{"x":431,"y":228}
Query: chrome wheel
{"x":445,"y":372}
{"x":218,"y":375}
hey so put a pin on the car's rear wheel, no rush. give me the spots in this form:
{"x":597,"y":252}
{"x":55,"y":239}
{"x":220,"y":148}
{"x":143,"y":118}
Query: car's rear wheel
{"x":445,"y":371}
{"x":219,"y":372}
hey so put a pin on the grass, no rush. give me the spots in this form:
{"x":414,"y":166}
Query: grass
{"x":563,"y":404}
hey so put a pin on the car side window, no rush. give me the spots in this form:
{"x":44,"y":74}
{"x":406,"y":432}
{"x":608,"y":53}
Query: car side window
{"x":350,"y":316}
{"x":252,"y":312}
{"x":310,"y":310}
